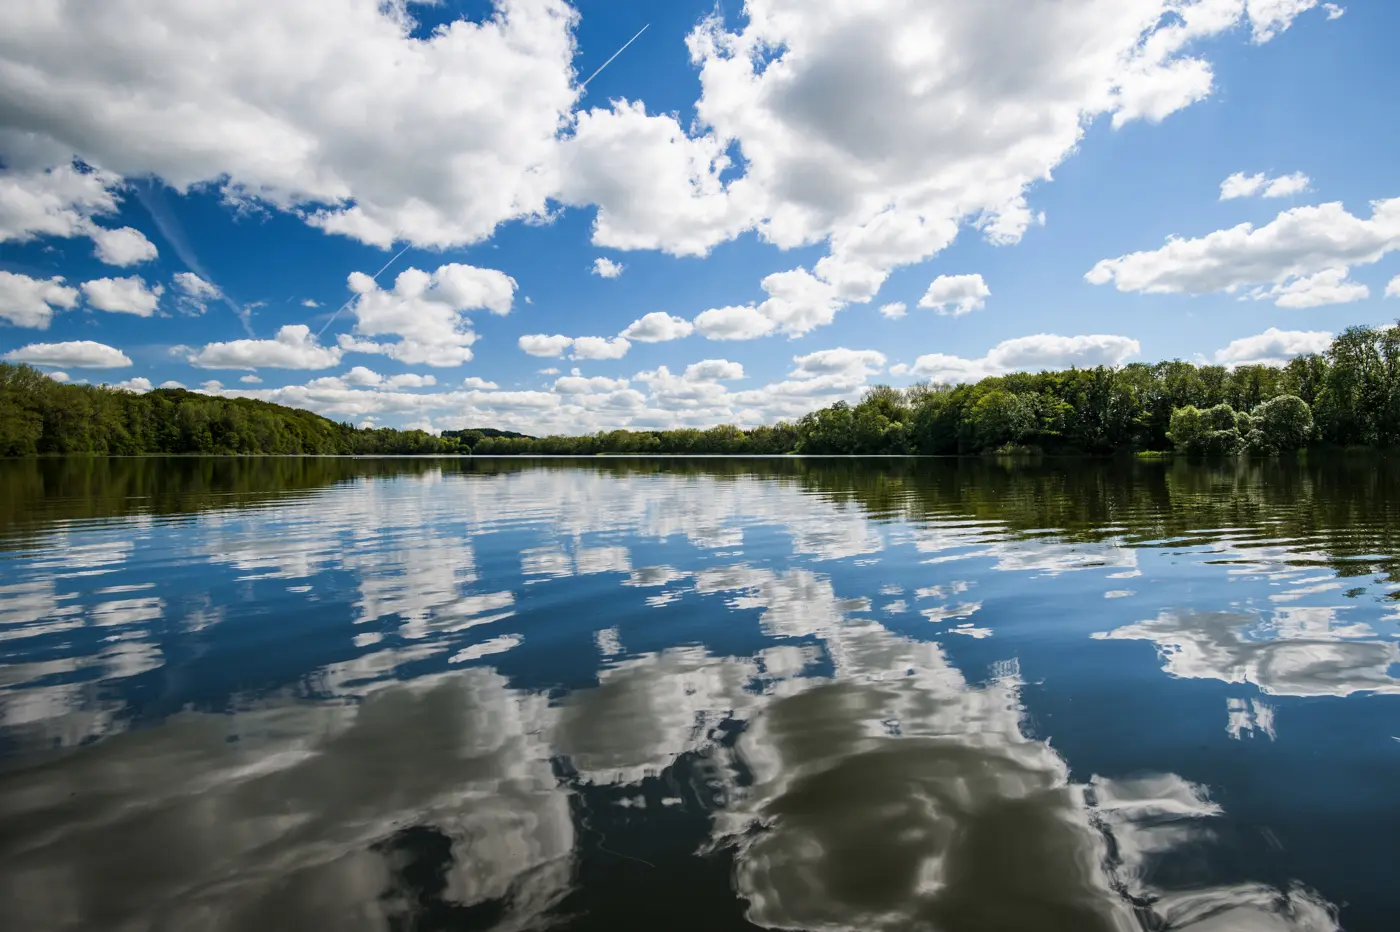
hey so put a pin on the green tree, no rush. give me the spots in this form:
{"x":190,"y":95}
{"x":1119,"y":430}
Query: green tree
{"x":1281,"y":425}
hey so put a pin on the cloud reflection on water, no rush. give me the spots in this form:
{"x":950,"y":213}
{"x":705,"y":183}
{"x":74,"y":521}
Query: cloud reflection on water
{"x":856,"y":776}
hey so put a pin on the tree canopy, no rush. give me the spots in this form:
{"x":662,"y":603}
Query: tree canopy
{"x":1348,"y":396}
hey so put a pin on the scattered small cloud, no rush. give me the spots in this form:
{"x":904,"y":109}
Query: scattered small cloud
{"x":1241,"y":185}
{"x":31,"y":302}
{"x":714,"y":370}
{"x":894,"y":310}
{"x":1273,"y":347}
{"x":1334,"y":11}
{"x":193,"y":294}
{"x":541,"y":344}
{"x":733,"y":323}
{"x":1330,"y":286}
{"x":124,"y":246}
{"x":476,"y":382}
{"x":600,"y":348}
{"x":606,"y":268}
{"x":956,"y":295}
{"x":658,"y":327}
{"x":129,"y":295}
{"x":79,"y":354}
{"x":310,"y":302}
{"x":1304,"y":254}
{"x":1033,"y":353}
{"x":250,"y":379}
{"x":293,"y":348}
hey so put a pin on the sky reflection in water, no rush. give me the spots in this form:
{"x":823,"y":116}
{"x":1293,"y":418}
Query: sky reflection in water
{"x":723,"y":695}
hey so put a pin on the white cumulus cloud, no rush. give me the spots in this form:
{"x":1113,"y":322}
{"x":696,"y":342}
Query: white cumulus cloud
{"x":139,"y":384}
{"x":1038,"y":352}
{"x":1334,"y":11}
{"x":1392,"y":290}
{"x":797,"y":303}
{"x":655,"y":186}
{"x":604,"y":267}
{"x":866,"y":127}
{"x":79,"y":354}
{"x":58,"y":200}
{"x":1270,"y":17}
{"x":541,"y":344}
{"x":362,"y":377}
{"x":600,"y":348}
{"x":714,"y":370}
{"x":294,"y":348}
{"x":193,"y":294}
{"x":1273,"y":347}
{"x":894,"y":310}
{"x":956,"y":295}
{"x":658,"y":327}
{"x":427,"y":311}
{"x":336,"y":107}
{"x":409,"y":380}
{"x":1330,"y":286}
{"x":579,"y":385}
{"x":129,"y":295}
{"x":1241,"y":185}
{"x":124,"y":246}
{"x":31,"y":302}
{"x":477,"y":382}
{"x":1304,"y":252}
{"x":838,"y":361}
{"x":732,"y":323}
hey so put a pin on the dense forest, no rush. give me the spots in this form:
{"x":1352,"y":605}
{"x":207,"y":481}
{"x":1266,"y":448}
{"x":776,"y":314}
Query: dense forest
{"x":1348,"y":396}
{"x":41,"y":416}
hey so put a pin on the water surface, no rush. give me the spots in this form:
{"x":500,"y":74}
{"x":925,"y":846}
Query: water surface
{"x":724,"y":694}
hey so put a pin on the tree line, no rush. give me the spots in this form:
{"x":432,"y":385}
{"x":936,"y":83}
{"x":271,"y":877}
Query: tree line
{"x":1346,"y":396}
{"x":41,"y":416}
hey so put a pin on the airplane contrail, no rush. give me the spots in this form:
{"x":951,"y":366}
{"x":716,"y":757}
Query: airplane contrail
{"x":374,"y":277}
{"x":150,"y":197}
{"x":584,"y":85}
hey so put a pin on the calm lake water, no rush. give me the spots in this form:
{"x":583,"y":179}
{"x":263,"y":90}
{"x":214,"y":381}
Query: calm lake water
{"x":712,"y":695}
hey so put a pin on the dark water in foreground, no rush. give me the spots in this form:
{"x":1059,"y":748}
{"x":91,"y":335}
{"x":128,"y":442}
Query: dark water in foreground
{"x":825,"y":695}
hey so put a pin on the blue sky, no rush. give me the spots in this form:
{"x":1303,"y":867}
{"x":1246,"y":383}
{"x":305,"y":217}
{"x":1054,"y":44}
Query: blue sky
{"x":179,"y":184}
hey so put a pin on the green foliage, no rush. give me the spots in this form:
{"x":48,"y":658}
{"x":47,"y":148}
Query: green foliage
{"x":1188,"y":429}
{"x":40,"y":416}
{"x":1348,"y":396}
{"x":1281,"y":425}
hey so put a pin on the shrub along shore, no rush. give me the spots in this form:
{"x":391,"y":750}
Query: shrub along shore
{"x":1347,"y":396}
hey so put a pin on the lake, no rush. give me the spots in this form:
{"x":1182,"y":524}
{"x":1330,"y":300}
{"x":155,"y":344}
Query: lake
{"x":837,"y":694}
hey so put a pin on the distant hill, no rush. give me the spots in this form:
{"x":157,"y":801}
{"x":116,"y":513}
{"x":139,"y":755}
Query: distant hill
{"x":482,"y":432}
